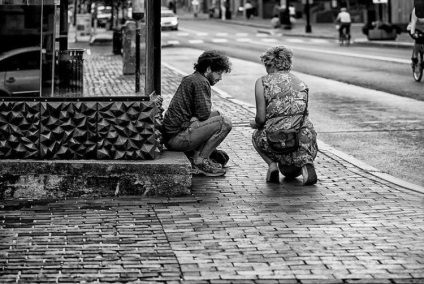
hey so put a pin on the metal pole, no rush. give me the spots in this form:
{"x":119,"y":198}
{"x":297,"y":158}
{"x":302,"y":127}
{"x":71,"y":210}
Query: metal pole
{"x":308,"y":28}
{"x":150,"y":57}
{"x":157,"y":48}
{"x":63,"y":25}
{"x":288,"y":26}
{"x":389,"y":11}
{"x":138,"y":14}
{"x":137,"y":56}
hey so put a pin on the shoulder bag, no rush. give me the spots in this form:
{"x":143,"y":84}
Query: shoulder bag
{"x":283,"y":140}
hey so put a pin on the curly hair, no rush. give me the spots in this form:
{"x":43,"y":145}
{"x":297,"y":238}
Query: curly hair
{"x":279,"y":56}
{"x":214,"y":59}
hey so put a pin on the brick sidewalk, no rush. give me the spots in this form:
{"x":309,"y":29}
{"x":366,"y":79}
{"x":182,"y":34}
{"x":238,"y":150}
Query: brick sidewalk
{"x":350,"y":228}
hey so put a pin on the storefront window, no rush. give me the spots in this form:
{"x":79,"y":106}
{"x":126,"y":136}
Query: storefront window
{"x":27,"y":51}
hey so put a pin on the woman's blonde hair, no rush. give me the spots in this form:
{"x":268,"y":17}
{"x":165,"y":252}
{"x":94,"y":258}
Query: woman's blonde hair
{"x":278,"y":56}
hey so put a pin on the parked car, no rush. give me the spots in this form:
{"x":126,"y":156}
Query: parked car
{"x":168,"y":20}
{"x":20,"y":72}
{"x":104,"y":16}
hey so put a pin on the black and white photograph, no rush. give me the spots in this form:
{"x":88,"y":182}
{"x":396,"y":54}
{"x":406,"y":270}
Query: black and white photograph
{"x":212,"y":141}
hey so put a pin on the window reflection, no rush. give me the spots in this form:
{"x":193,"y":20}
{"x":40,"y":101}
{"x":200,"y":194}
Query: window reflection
{"x":27,"y":49}
{"x":35,"y":59}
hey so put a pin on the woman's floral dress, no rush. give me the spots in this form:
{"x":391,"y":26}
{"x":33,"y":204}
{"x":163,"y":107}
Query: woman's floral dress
{"x":285,"y":98}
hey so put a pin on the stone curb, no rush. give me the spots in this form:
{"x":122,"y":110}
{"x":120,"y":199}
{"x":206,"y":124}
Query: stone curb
{"x":323,"y":147}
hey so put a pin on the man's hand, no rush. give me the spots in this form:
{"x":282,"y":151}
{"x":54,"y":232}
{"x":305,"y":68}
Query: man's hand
{"x":214,"y":113}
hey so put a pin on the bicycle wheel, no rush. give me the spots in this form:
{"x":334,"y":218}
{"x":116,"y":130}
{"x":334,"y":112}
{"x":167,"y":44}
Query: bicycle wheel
{"x":347,"y":40}
{"x":417,"y":69}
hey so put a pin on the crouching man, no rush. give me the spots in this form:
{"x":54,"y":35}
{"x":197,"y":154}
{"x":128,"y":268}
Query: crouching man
{"x":190,"y":125}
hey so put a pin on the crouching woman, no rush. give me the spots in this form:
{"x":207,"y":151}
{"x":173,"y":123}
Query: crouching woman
{"x":284,"y":135}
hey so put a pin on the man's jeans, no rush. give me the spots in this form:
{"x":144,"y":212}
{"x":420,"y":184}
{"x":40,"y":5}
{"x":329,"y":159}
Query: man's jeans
{"x":203,"y":136}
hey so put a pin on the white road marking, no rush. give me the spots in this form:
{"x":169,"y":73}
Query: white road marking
{"x":195,"y":41}
{"x":243,"y":39}
{"x":173,"y":42}
{"x":241,"y":34}
{"x":218,"y":40}
{"x":269,"y":40}
{"x":294,"y":40}
{"x":318,"y":40}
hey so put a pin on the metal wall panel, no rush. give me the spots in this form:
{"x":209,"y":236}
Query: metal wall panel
{"x":73,"y":130}
{"x":19,"y":130}
{"x":68,"y":130}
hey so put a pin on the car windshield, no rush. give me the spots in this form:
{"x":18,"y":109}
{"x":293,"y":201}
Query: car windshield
{"x":167,"y":14}
{"x":105,"y":11}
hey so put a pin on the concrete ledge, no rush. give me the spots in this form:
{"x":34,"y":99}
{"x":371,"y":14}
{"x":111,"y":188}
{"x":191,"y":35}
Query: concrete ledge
{"x":168,"y":175}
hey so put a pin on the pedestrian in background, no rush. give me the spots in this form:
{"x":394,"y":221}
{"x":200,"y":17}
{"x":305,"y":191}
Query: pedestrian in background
{"x":282,"y":109}
{"x":248,"y":9}
{"x":172,"y":6}
{"x":190,"y":125}
{"x":195,"y":4}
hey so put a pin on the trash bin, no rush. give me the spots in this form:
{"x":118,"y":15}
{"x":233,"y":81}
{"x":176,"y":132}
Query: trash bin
{"x":117,"y":41}
{"x":70,"y":67}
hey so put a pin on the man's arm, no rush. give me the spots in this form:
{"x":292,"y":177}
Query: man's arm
{"x":338,"y":18}
{"x":413,"y":22}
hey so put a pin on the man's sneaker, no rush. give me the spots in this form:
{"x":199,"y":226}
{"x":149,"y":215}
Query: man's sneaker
{"x":208,"y":169}
{"x":215,"y":164}
{"x":309,"y":174}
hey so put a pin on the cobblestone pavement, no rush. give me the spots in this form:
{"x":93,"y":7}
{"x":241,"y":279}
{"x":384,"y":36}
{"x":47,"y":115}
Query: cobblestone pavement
{"x":351,"y":227}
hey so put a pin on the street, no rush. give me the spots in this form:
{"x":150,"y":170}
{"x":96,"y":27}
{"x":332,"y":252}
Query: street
{"x":382,"y":129}
{"x":384,"y":69}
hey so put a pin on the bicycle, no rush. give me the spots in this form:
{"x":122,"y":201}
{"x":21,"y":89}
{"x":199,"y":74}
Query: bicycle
{"x":344,"y":37}
{"x":418,"y":65}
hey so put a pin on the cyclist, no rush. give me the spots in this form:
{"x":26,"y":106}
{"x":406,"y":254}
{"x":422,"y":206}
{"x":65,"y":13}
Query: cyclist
{"x":344,"y":19}
{"x":416,"y":30}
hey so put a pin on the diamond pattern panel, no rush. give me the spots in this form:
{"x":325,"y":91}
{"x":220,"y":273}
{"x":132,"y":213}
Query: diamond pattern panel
{"x":19,"y":130}
{"x":126,"y":130}
{"x":68,"y":130}
{"x":71,"y":130}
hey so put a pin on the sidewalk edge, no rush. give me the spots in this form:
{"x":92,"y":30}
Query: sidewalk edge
{"x":323,"y":147}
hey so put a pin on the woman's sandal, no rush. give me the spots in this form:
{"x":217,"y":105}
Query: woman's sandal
{"x":309,"y":174}
{"x":273,"y":174}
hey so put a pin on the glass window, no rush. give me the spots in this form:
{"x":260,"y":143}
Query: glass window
{"x":22,"y":61}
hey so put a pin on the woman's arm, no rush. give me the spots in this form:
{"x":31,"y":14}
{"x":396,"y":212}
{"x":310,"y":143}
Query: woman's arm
{"x":260,"y":105}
